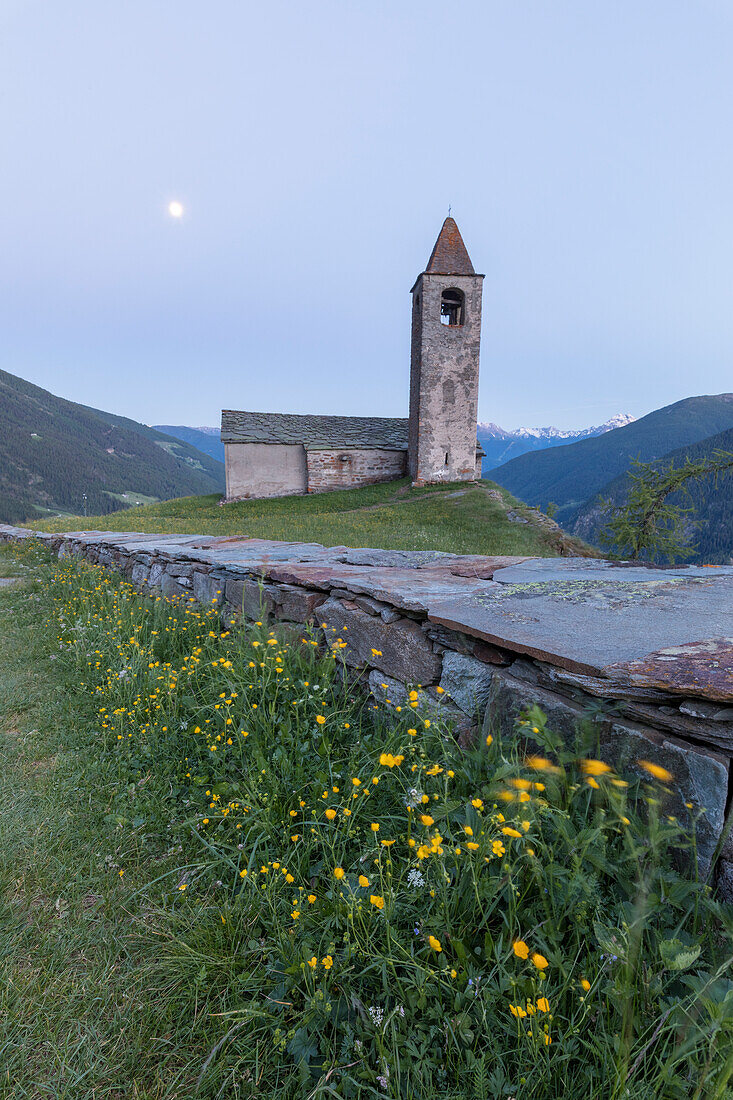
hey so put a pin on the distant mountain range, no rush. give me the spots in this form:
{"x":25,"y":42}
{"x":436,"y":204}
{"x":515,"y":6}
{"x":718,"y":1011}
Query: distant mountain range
{"x":54,"y":452}
{"x":575,"y":475}
{"x":205,"y":439}
{"x":502,"y":445}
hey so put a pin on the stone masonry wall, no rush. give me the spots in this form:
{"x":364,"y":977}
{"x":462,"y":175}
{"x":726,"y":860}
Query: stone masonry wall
{"x":444,"y":377}
{"x":350,"y":469}
{"x":379,"y":603}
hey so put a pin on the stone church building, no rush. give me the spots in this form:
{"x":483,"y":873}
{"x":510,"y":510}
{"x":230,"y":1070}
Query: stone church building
{"x":278,"y":454}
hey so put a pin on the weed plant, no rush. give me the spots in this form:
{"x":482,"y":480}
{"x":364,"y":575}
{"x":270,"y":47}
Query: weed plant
{"x":364,"y":909}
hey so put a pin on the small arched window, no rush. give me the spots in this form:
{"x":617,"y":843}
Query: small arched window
{"x":452,"y":307}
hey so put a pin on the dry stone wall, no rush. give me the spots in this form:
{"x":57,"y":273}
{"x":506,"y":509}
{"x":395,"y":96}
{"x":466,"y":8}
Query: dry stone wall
{"x":475,"y":635}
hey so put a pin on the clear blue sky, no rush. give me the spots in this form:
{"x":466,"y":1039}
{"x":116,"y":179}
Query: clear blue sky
{"x":586,"y":149}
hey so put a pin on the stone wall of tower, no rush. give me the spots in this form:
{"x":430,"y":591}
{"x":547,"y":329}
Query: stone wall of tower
{"x":444,"y":373}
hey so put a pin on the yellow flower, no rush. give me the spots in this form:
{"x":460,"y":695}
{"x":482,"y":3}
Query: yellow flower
{"x":477,"y":803}
{"x":454,"y":973}
{"x":594,"y":767}
{"x":377,"y":901}
{"x":656,"y":770}
{"x":543,"y":1004}
{"x":330,"y":814}
{"x":412,"y":733}
{"x":327,"y":962}
{"x":313,"y":963}
{"x":472,"y":846}
{"x":363,"y":881}
{"x":356,"y":782}
{"x":374,"y":826}
{"x":387,"y":760}
{"x":538,"y":763}
{"x":498,"y":848}
{"x":508,"y":831}
{"x":468,"y":830}
{"x":376,"y":653}
{"x":585,"y":984}
{"x":427,"y":820}
{"x":320,"y":719}
{"x":435,"y":944}
{"x":593,"y":783}
{"x":243,"y":873}
{"x":338,"y":872}
{"x":295,"y":914}
{"x":520,"y":949}
{"x":520,"y":784}
{"x":518,"y":1011}
{"x":386,"y":843}
{"x":540,"y":961}
{"x":311,"y":898}
{"x":489,"y":739}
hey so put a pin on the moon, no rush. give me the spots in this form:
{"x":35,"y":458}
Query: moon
{"x":175,"y":209}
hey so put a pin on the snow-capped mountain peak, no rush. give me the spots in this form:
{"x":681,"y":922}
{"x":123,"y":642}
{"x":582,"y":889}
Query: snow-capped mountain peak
{"x":501,"y":445}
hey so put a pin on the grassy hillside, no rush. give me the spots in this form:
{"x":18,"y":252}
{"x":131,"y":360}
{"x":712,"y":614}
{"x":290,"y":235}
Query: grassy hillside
{"x":464,"y":519}
{"x":711,"y":503}
{"x":53,"y":451}
{"x":201,"y":438}
{"x":573,"y":474}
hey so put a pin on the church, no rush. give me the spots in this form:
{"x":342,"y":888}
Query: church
{"x":278,"y":454}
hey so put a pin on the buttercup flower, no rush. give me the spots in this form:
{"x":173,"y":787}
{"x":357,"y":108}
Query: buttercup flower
{"x":434,"y":943}
{"x":656,"y":770}
{"x":594,"y":767}
{"x":520,"y":949}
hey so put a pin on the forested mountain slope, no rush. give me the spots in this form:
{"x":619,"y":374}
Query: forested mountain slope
{"x":54,"y":451}
{"x":572,"y":474}
{"x":710,"y":503}
{"x":204,"y":439}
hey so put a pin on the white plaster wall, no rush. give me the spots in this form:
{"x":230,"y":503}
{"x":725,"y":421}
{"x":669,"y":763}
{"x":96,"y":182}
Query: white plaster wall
{"x":264,"y":470}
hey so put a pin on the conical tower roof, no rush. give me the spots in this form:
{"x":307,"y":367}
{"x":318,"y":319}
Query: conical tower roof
{"x":449,"y":255}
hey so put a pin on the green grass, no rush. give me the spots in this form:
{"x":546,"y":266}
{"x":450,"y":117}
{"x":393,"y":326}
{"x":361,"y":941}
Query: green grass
{"x":153,"y":949}
{"x":461,"y":519}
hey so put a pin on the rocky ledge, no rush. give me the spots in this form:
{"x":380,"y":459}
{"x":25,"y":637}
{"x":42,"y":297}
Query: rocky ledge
{"x":644,"y":653}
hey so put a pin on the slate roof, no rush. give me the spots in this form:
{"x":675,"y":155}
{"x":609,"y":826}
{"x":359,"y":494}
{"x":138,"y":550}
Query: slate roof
{"x":449,"y":255}
{"x":387,"y":433}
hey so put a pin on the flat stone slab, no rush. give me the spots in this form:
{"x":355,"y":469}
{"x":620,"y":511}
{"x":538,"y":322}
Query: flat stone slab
{"x":598,"y":627}
{"x":668,"y":630}
{"x":698,"y":668}
{"x":544,"y":570}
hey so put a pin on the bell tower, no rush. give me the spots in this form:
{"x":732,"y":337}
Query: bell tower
{"x":444,"y":363}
